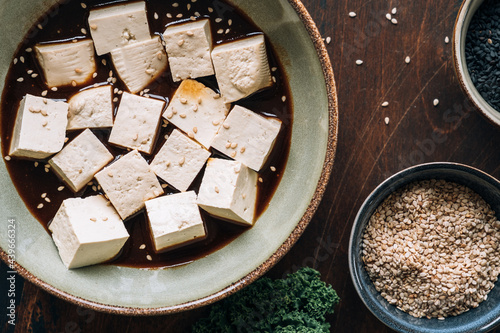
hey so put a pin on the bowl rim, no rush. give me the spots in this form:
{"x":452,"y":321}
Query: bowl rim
{"x":388,"y":183}
{"x":460,"y":65}
{"x":331,"y":92}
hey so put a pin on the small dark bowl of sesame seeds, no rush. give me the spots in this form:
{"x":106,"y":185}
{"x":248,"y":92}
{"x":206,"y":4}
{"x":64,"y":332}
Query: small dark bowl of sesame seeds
{"x":424,"y":252}
{"x":476,"y":55}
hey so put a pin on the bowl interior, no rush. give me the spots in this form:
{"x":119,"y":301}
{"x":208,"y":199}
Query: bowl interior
{"x":467,"y":11}
{"x":480,"y":319}
{"x":128,"y":290}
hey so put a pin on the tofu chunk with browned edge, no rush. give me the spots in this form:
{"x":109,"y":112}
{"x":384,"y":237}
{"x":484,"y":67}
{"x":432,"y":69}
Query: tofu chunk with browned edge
{"x":247,"y":137}
{"x":229,"y":191}
{"x":175,"y":220}
{"x":140,"y":63}
{"x":80,"y":160}
{"x":179,"y":160}
{"x":68,"y":63}
{"x":128,"y":183}
{"x":197,"y":110}
{"x":87,"y":231}
{"x":188,"y":47}
{"x":40,"y":128}
{"x":91,"y":108}
{"x":118,"y":25}
{"x":137,"y":122}
{"x":241,"y":67}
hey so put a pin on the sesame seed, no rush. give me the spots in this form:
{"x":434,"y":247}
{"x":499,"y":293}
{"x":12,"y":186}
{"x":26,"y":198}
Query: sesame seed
{"x":83,"y":5}
{"x":385,"y":104}
{"x":180,"y":42}
{"x":44,"y":123}
{"x":446,"y":39}
{"x":359,"y":62}
{"x":60,"y":188}
{"x":183,"y":100}
{"x":164,"y":185}
{"x":156,"y":15}
{"x":233,"y":154}
{"x":73,"y":83}
{"x":228,"y":145}
{"x":66,"y":140}
{"x":175,"y":4}
{"x":220,"y":31}
{"x":182,"y":115}
{"x":210,"y":10}
{"x":44,"y":93}
{"x":215,"y":122}
{"x":237,"y":170}
{"x":94,"y":188}
{"x":15,"y":61}
{"x":170,"y":115}
{"x":386,"y":120}
{"x":104,"y":218}
{"x":216,"y":96}
{"x":169,"y":15}
{"x":283,"y":98}
{"x":93,"y":27}
{"x":234,"y":145}
{"x":394,"y":11}
{"x":142,"y":247}
{"x":7,"y":158}
{"x":216,"y":189}
{"x":20,"y":79}
{"x":53,"y":88}
{"x":40,"y":206}
{"x":328,"y":40}
{"x":352,"y":14}
{"x":229,"y":22}
{"x":182,"y":161}
{"x":35,"y":164}
{"x":104,"y":62}
{"x":394,"y":21}
{"x":179,"y":15}
{"x":244,"y":196}
{"x":34,"y":75}
{"x":273,"y":169}
{"x":115,"y":99}
{"x":225,"y":125}
{"x":39,"y":26}
{"x":149,"y":257}
{"x":191,"y":135}
{"x":195,"y":129}
{"x":188,"y":6}
{"x":274,"y":69}
{"x":218,"y":20}
{"x":47,"y":199}
{"x":435,"y":102}
{"x":242,"y":150}
{"x":274,"y":79}
{"x":195,"y":107}
{"x":21,"y":58}
{"x":261,"y":180}
{"x":29,"y":72}
{"x":84,"y":31}
{"x":227,"y":31}
{"x":167,"y":164}
{"x":407,"y":59}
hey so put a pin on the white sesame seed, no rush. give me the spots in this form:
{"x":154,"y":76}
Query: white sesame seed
{"x":84,"y":5}
{"x":388,"y":16}
{"x":169,"y":15}
{"x":44,"y":93}
{"x":283,"y":98}
{"x":39,"y":26}
{"x":218,"y":20}
{"x":384,"y":104}
{"x":229,"y":22}
{"x":261,"y":180}
{"x":435,"y":102}
{"x":394,"y":11}
{"x":386,"y":120}
{"x":446,"y":39}
{"x":220,"y":31}
{"x":53,"y":88}
{"x":7,"y":158}
{"x":352,"y":14}
{"x":328,"y":40}
{"x":40,"y":206}
{"x":210,"y":10}
{"x":407,"y":59}
{"x":149,"y":257}
{"x":156,"y":15}
{"x":35,"y":164}
{"x":21,"y":59}
{"x":394,"y":21}
{"x":359,"y":62}
{"x":34,"y":75}
{"x":60,"y":188}
{"x":84,"y":31}
{"x":273,"y":169}
{"x":47,"y":199}
{"x":15,"y":61}
{"x":179,"y":15}
{"x":142,"y":247}
{"x":20,"y":79}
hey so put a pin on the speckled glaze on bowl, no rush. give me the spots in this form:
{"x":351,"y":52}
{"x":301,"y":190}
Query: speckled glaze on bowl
{"x":481,"y":319}
{"x":130,"y":291}
{"x":464,"y":17}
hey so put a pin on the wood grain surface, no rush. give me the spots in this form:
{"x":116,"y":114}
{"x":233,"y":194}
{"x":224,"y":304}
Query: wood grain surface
{"x":369,"y":151}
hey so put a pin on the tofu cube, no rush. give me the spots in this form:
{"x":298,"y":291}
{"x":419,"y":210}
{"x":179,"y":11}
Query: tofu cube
{"x":241,"y":67}
{"x":91,"y":108}
{"x":188,"y":47}
{"x":128,"y":183}
{"x":40,"y":128}
{"x":80,"y":160}
{"x":65,"y":64}
{"x":229,"y":191}
{"x":137,"y":121}
{"x":140,"y":63}
{"x":247,"y":137}
{"x":175,"y":221}
{"x":197,"y":110}
{"x":118,"y":25}
{"x":87,"y":231}
{"x":179,"y":160}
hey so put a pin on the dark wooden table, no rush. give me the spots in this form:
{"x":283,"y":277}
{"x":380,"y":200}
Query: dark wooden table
{"x":369,"y":151}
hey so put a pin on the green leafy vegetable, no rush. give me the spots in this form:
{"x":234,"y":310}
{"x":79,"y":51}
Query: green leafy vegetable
{"x":297,"y":304}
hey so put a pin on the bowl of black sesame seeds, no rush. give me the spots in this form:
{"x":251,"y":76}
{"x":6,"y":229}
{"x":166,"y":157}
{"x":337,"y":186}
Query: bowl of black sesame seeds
{"x":476,"y":53}
{"x":424,"y":252}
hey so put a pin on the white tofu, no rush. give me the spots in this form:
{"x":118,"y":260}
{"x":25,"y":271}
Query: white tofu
{"x":197,"y":110}
{"x":80,"y":160}
{"x":247,"y":137}
{"x":40,"y":128}
{"x":179,"y":160}
{"x":241,"y":67}
{"x":91,"y":108}
{"x":140,"y":63}
{"x":137,"y":122}
{"x":175,"y":221}
{"x":118,"y":25}
{"x":87,"y":231}
{"x":67,"y":63}
{"x":128,"y":183}
{"x":188,"y":47}
{"x":229,"y":191}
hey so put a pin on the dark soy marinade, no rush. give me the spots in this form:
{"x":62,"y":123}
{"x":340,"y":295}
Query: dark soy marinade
{"x":38,"y":185}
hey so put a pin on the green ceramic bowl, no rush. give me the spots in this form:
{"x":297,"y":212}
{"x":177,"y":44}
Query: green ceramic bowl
{"x":142,"y":292}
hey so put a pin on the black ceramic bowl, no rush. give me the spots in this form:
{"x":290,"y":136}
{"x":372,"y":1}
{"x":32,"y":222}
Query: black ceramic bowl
{"x":481,"y":319}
